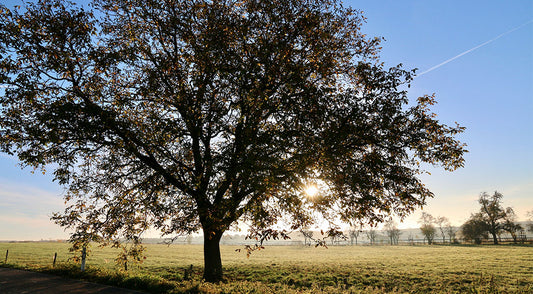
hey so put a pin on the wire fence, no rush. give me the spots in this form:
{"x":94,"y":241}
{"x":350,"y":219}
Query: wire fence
{"x":414,"y":242}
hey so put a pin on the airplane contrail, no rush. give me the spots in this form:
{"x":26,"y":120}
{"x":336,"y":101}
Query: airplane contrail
{"x":472,"y":49}
{"x":455,"y":57}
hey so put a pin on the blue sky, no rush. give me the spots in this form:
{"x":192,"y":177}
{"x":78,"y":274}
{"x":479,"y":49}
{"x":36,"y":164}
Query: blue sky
{"x":488,"y":90}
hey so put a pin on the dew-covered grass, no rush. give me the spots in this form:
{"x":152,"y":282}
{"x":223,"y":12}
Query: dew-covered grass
{"x":298,"y":269}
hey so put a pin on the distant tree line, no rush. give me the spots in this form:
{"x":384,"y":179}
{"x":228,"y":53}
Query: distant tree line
{"x":491,"y":221}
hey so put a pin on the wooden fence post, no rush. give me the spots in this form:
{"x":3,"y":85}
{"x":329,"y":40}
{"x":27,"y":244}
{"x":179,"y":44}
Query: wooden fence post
{"x":7,"y":253}
{"x":55,"y":257}
{"x":188,"y":273}
{"x":83,"y":256}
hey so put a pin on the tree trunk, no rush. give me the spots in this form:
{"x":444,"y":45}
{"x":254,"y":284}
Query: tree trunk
{"x":83,"y":257}
{"x":212,"y":260}
{"x":495,"y":237}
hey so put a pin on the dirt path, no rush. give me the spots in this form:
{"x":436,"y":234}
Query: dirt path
{"x":14,"y":281}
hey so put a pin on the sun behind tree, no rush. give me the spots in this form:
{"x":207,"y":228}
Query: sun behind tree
{"x":311,"y":190}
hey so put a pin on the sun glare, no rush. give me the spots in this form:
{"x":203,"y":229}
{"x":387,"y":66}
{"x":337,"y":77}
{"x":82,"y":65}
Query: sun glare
{"x":311,"y":190}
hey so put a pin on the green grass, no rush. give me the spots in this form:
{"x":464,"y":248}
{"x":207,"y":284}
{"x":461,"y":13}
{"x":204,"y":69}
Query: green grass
{"x":293,"y":269}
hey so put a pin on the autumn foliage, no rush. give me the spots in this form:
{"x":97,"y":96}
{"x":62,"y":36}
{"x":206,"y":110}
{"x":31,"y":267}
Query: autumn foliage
{"x":189,"y":115}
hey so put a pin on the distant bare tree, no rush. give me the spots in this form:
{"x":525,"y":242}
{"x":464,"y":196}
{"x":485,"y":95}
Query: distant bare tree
{"x":450,"y":232}
{"x":411,"y":239}
{"x":354,"y":234}
{"x":371,"y":234}
{"x":427,"y":228}
{"x":530,"y":218}
{"x":188,"y":239}
{"x":308,"y":236}
{"x":334,"y":239}
{"x":510,"y":225}
{"x":442,"y":222}
{"x":392,"y":231}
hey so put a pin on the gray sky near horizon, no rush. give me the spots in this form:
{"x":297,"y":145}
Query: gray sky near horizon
{"x":476,"y":56}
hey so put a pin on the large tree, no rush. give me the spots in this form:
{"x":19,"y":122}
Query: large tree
{"x":187,"y":115}
{"x":492,"y":213}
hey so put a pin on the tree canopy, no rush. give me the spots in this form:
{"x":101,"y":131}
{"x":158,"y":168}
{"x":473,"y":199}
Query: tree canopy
{"x":492,"y":213}
{"x":188,"y":115}
{"x":475,"y":228}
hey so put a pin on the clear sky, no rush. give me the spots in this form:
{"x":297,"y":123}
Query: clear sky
{"x":480,"y":60}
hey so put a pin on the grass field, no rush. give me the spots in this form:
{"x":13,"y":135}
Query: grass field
{"x":293,"y":269}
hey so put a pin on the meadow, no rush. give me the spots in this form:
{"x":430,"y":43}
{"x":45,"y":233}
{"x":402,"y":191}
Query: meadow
{"x":298,"y":269}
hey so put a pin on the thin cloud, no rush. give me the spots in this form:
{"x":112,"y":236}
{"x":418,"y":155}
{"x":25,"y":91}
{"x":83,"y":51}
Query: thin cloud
{"x":474,"y":48}
{"x":28,"y":200}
